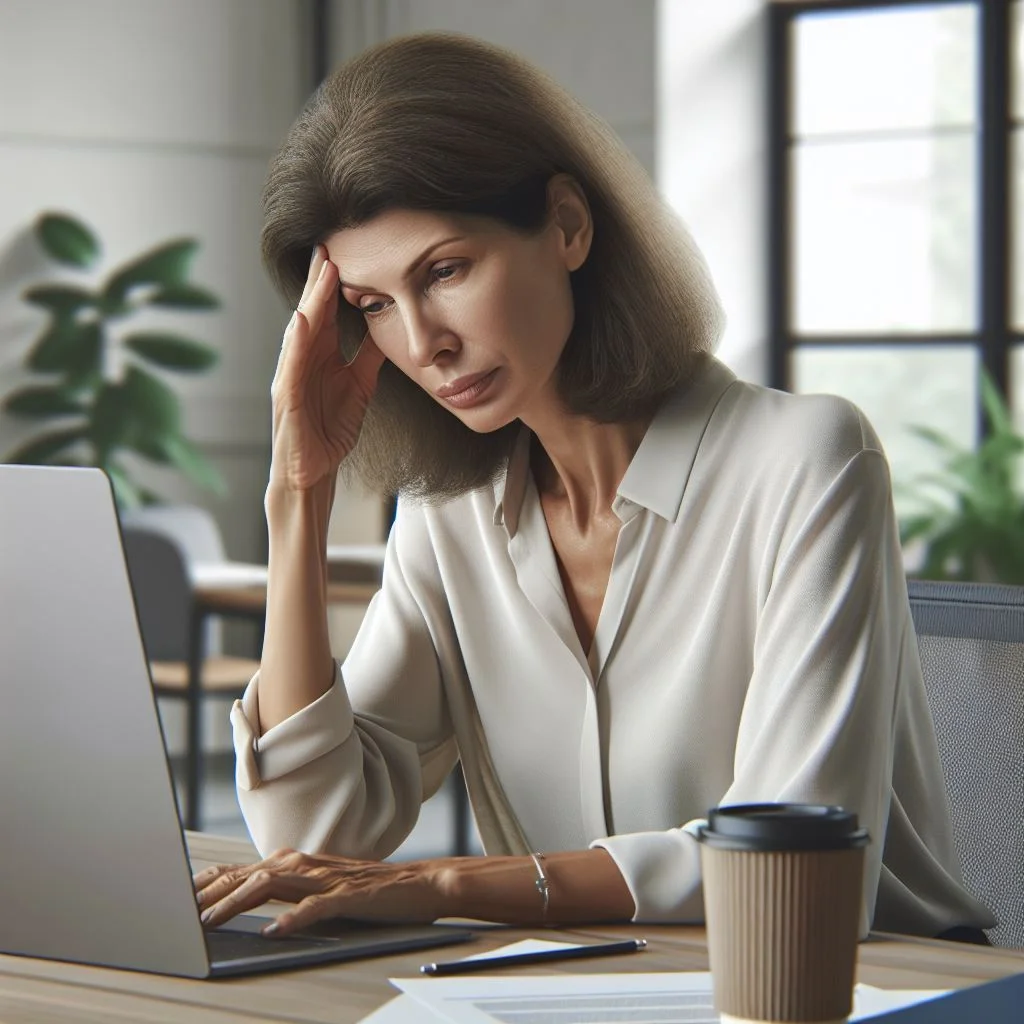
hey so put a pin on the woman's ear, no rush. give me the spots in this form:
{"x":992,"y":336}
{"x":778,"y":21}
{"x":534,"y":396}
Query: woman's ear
{"x":570,"y":217}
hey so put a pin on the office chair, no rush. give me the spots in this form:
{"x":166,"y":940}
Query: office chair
{"x":196,"y":533}
{"x":164,"y":599}
{"x":971,"y":639}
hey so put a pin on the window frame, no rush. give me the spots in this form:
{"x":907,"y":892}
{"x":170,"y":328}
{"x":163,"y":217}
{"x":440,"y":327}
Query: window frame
{"x":994,"y":337}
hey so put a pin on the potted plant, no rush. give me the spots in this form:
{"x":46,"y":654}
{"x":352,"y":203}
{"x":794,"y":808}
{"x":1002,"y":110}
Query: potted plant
{"x":99,"y":391}
{"x":972,"y":523}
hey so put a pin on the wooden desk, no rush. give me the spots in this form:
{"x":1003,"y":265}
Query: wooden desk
{"x":40,"y":990}
{"x":251,"y":601}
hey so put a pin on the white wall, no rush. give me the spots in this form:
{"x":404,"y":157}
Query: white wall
{"x":602,"y":51}
{"x":152,"y":120}
{"x":712,"y":154}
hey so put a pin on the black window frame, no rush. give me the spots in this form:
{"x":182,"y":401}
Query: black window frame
{"x":994,"y":336}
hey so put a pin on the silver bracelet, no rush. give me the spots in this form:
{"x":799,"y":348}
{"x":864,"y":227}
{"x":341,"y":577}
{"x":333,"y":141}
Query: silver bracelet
{"x":541,"y":884}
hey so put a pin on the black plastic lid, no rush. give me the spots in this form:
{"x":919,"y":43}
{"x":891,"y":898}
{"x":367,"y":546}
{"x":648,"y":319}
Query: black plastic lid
{"x":782,"y":827}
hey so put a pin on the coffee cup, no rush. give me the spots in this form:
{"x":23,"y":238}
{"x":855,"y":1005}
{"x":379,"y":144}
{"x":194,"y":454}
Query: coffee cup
{"x":782,"y":902}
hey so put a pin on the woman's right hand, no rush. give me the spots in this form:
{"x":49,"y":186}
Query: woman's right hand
{"x":319,"y":401}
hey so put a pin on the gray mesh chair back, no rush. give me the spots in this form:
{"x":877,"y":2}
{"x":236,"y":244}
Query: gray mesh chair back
{"x":971,"y":638}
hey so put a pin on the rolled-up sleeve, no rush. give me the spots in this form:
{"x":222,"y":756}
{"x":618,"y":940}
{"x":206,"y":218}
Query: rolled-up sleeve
{"x":331,"y":779}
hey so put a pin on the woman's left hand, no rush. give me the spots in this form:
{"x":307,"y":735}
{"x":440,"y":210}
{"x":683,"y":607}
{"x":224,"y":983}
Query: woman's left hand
{"x":321,"y":886}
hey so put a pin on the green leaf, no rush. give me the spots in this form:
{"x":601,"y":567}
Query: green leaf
{"x":917,"y":526}
{"x":153,"y":404}
{"x":112,"y":422}
{"x":994,"y":405}
{"x":187,"y":457}
{"x":172,"y":351}
{"x":150,"y":449}
{"x":138,"y":410}
{"x":36,"y":402}
{"x":59,"y":299}
{"x":67,"y":240}
{"x":68,"y":347}
{"x":935,"y":437}
{"x":43,"y":448}
{"x":166,"y":266}
{"x":185,"y":297}
{"x":126,"y":492}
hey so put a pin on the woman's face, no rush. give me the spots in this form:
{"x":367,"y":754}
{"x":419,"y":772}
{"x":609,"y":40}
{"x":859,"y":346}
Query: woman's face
{"x":476,"y":313}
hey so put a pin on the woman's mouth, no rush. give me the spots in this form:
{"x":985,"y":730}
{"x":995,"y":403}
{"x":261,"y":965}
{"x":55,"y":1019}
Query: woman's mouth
{"x":466,"y":391}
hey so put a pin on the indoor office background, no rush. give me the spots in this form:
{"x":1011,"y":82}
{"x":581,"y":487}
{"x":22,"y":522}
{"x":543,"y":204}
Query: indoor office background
{"x":849,"y":170}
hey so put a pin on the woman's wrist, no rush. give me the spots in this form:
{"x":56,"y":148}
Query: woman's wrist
{"x":282,"y":503}
{"x":484,"y":888}
{"x":582,"y":886}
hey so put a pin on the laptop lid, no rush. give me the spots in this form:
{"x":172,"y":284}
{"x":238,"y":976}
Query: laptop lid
{"x":93,"y":864}
{"x":93,"y":867}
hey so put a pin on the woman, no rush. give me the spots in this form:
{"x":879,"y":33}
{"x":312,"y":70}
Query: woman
{"x":622,"y":586}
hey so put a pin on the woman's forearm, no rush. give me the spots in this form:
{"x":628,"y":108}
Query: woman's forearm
{"x":584,"y":886}
{"x":296,"y":666}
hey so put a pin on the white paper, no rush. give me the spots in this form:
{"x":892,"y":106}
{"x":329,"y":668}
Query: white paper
{"x":406,"y":1010}
{"x":403,"y":1010}
{"x":576,"y":999}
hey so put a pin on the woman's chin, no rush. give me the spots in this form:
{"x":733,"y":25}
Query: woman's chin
{"x":484,"y":421}
{"x":492,"y":413}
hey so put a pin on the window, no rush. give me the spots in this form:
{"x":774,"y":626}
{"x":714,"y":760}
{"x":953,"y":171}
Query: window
{"x":897,"y":150}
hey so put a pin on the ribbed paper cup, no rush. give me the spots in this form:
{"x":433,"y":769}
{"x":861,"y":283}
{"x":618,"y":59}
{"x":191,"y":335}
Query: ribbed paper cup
{"x":783,"y":924}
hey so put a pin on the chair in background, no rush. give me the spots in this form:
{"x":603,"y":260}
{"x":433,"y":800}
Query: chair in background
{"x":971,"y":639}
{"x":197,"y":535}
{"x":165,"y":602}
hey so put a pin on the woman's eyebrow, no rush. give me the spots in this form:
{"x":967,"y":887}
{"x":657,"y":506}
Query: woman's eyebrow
{"x":412,"y":268}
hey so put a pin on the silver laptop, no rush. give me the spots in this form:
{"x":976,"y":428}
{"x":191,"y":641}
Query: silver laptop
{"x":93,"y":866}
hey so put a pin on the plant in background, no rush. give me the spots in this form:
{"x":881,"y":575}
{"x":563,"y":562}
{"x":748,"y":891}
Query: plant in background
{"x":972,"y":525}
{"x":97,"y":394}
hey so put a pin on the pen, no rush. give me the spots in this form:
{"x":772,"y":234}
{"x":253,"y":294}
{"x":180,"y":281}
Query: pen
{"x":540,"y":957}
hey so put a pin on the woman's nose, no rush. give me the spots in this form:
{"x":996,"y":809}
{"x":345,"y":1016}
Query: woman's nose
{"x":427,"y":337}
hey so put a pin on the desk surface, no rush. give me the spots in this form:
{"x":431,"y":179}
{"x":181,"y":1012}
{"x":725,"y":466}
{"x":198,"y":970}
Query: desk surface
{"x":249,"y":600}
{"x":40,"y":990}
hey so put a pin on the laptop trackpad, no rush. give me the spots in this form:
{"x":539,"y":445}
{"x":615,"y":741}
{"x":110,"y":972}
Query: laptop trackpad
{"x":238,"y":946}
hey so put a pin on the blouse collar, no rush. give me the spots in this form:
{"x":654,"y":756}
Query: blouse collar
{"x":658,"y":473}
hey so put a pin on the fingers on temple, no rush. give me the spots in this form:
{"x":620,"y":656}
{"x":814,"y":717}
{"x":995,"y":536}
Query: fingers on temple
{"x":322,"y":299}
{"x":315,"y":266}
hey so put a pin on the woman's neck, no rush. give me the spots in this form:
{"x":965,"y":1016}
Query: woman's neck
{"x":581,"y":463}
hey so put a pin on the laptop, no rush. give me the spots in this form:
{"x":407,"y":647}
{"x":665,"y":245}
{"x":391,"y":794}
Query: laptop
{"x":93,"y":864}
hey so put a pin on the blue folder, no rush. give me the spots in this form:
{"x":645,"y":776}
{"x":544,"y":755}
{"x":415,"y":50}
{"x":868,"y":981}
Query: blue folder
{"x":995,"y":1002}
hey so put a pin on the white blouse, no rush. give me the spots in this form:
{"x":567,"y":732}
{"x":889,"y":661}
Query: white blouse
{"x":755,"y":644}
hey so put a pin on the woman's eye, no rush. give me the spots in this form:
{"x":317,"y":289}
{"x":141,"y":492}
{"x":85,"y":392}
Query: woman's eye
{"x":372,"y":308}
{"x":446,"y":272}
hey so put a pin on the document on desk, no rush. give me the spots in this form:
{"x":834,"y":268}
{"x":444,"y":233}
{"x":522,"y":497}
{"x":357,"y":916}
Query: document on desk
{"x":684,"y":997}
{"x":404,"y":1009}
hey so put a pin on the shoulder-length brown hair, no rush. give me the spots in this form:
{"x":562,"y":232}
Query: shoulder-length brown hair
{"x":448,"y":123}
